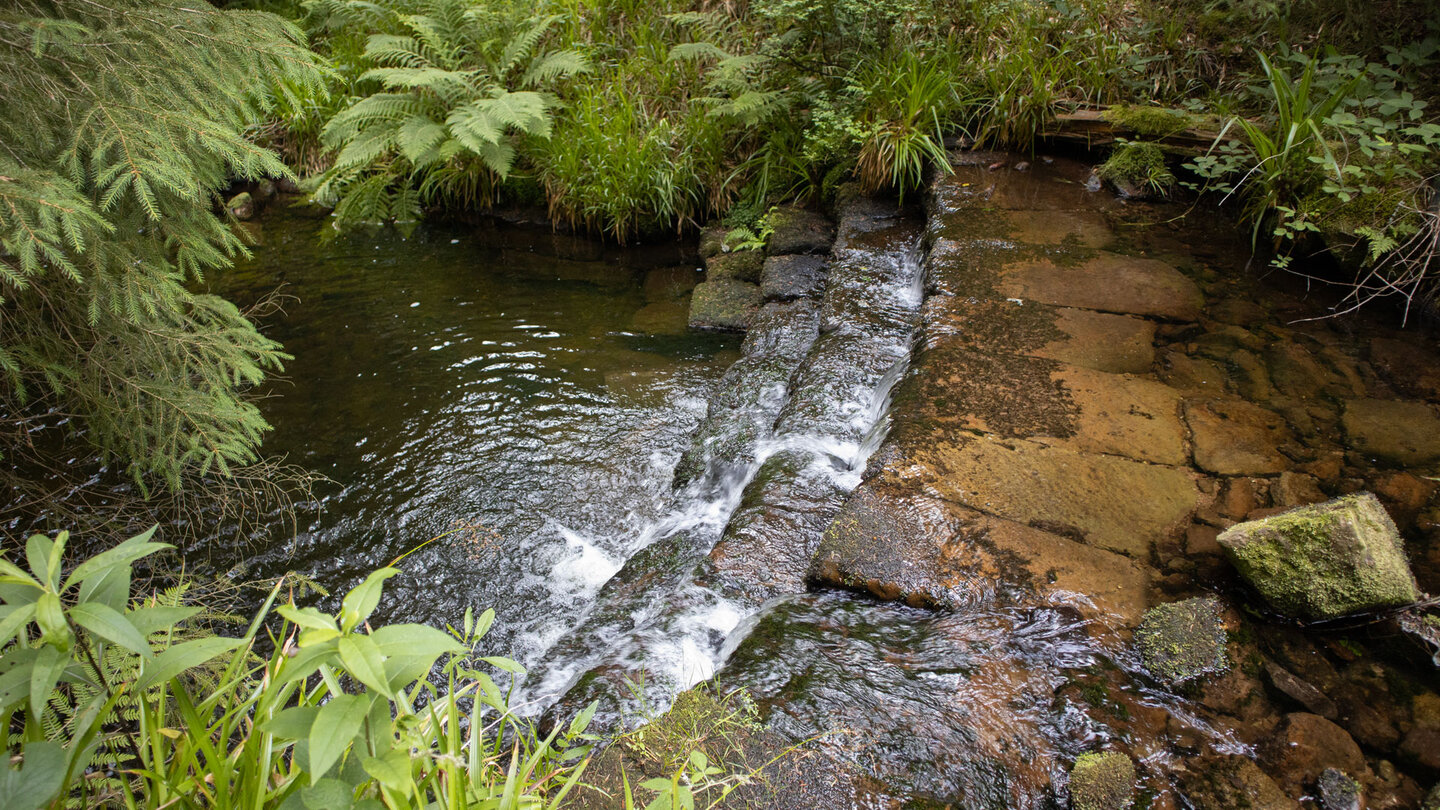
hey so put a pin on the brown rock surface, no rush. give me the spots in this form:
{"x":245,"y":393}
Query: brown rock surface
{"x":1306,"y":744}
{"x":1229,"y":783}
{"x":1235,"y":437}
{"x":1399,"y":431}
{"x":1110,"y":502}
{"x":1086,"y":229}
{"x":1108,"y":282}
{"x":1116,"y":343}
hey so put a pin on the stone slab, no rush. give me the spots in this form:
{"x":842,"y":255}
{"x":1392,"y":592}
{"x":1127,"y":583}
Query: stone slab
{"x":1235,"y":437}
{"x":1083,"y":229}
{"x":795,"y":276}
{"x":724,"y":305}
{"x":928,"y":552}
{"x":1398,"y":431}
{"x":1106,"y":501}
{"x":1105,"y":342}
{"x":1107,"y":282}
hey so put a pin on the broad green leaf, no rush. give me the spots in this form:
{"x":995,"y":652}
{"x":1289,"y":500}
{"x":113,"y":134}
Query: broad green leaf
{"x":305,"y":661}
{"x":51,"y":618}
{"x":582,"y":720}
{"x":183,"y":656}
{"x":109,"y":624}
{"x":12,"y":573}
{"x":39,"y":553}
{"x":357,"y":605}
{"x":161,"y":617}
{"x":121,"y":555}
{"x":391,"y":770}
{"x":311,"y":638}
{"x":38,"y":779}
{"x":49,"y":666}
{"x":15,"y":618}
{"x":482,"y":624}
{"x":328,"y":794}
{"x":110,"y":587}
{"x":336,"y":724}
{"x":362,"y":658}
{"x":15,"y":679}
{"x":307,"y":617}
{"x":505,"y":664}
{"x":293,"y":723}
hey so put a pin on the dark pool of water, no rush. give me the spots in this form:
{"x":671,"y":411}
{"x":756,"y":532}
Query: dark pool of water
{"x":532,"y":387}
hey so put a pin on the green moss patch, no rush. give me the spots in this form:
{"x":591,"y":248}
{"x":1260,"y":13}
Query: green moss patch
{"x":1104,"y":781}
{"x":1181,"y":641}
{"x":1148,"y":122}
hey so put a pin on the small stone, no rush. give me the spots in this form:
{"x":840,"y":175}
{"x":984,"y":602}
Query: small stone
{"x":1432,"y":799}
{"x":738,"y":265}
{"x":724,"y":305}
{"x":1231,"y":782}
{"x":1304,"y":746}
{"x":1297,"y":489}
{"x":1200,"y":541}
{"x":1399,"y":431}
{"x":1104,"y":781}
{"x":241,"y":206}
{"x":1181,"y":641}
{"x":1301,"y":690}
{"x":1324,"y":561}
{"x":1338,"y":791}
{"x":1422,"y":745}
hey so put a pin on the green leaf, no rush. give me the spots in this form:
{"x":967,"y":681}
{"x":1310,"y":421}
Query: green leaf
{"x":161,"y":617}
{"x":505,"y":664}
{"x":41,"y":554}
{"x":363,"y":660}
{"x":391,"y":770}
{"x":328,"y":794}
{"x":183,"y":656}
{"x":308,"y":618}
{"x":360,"y":602}
{"x":122,"y":555}
{"x":16,"y":617}
{"x":10,"y":572}
{"x":49,"y":665}
{"x":107,"y":623}
{"x":483,"y":624}
{"x":336,"y":724}
{"x":293,"y":723}
{"x":51,"y":618}
{"x":37,"y":781}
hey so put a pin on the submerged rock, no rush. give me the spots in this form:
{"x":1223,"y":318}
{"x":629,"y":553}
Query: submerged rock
{"x":1399,"y":431}
{"x":725,"y":305}
{"x":795,"y":230}
{"x":1104,"y":781}
{"x":712,"y":240}
{"x":1226,"y":783}
{"x":1326,"y":560}
{"x":241,"y":206}
{"x":1338,"y":791}
{"x":1181,"y":641}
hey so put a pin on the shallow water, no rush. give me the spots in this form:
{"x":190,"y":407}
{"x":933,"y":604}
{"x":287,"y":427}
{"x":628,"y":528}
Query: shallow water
{"x":474,"y":377}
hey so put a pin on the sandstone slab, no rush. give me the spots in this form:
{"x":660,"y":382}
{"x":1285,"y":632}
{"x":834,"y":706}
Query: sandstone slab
{"x":1109,"y":282}
{"x":1084,"y":229}
{"x":1235,"y":437}
{"x":909,"y":546}
{"x":1109,"y":502}
{"x":1398,"y":431}
{"x":1105,"y":342}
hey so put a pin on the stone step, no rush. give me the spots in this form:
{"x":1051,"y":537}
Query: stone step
{"x":1108,"y":282}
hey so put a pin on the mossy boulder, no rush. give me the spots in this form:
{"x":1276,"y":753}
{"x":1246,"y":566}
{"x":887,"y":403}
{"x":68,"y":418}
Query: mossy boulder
{"x":796,"y":230}
{"x":1104,"y":781}
{"x":1181,"y":641}
{"x":1324,"y":561}
{"x":726,"y":305}
{"x":241,"y":206}
{"x":739,"y":265}
{"x":712,"y":240}
{"x":787,"y":277}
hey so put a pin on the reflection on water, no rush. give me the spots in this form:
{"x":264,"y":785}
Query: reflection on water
{"x":475,"y":376}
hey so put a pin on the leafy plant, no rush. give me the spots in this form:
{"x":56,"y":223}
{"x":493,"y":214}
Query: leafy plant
{"x":460,"y":84}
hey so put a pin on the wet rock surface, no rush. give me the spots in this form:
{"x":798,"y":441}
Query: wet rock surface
{"x":724,"y":305}
{"x":1182,"y":641}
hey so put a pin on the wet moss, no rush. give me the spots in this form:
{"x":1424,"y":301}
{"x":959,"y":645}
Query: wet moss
{"x":1324,"y":561}
{"x":1181,"y":641}
{"x":1147,"y":122}
{"x":1104,"y":781}
{"x":1138,"y":165}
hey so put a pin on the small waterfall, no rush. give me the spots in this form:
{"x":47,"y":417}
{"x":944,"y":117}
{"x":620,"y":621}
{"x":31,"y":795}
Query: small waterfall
{"x":785,"y":439}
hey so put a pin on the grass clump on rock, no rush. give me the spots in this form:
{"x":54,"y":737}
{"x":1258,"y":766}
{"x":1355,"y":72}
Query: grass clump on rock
{"x":1137,"y":167}
{"x":1104,"y":781}
{"x":1181,"y":641}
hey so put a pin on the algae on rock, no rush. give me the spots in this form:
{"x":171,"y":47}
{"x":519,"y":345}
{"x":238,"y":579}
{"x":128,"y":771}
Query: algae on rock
{"x":1104,"y":781}
{"x":1324,"y":561}
{"x":1181,"y":641}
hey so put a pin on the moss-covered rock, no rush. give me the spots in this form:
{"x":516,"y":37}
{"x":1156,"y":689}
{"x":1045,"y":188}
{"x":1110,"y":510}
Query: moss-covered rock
{"x":1326,"y":560}
{"x":1338,"y":791}
{"x":796,"y":230}
{"x":241,"y":206}
{"x":1181,"y":641}
{"x":724,"y":305}
{"x":1104,"y":781}
{"x":1149,"y":122}
{"x":738,"y":265}
{"x":712,"y":240}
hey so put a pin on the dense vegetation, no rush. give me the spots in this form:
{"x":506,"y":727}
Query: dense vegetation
{"x":128,"y":121}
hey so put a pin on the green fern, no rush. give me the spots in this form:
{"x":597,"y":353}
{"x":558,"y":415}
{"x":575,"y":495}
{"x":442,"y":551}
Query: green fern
{"x":459,"y":83}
